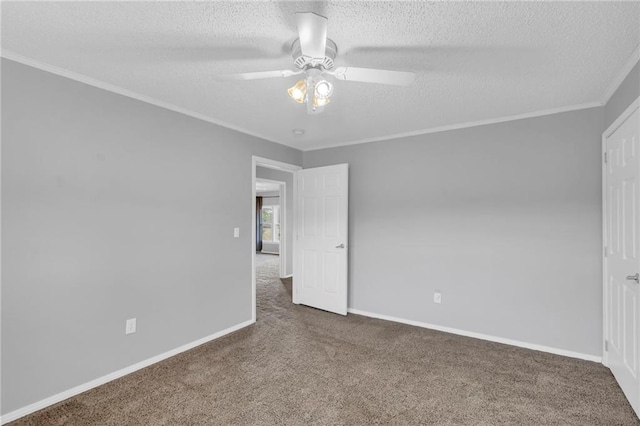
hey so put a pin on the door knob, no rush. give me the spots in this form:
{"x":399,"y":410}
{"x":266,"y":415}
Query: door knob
{"x":340,"y":246}
{"x":635,"y":278}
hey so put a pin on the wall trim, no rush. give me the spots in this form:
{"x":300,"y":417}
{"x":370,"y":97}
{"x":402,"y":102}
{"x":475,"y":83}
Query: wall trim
{"x":480,"y":336}
{"x":7,"y":54}
{"x":465,"y":125}
{"x":31,"y":408}
{"x":621,"y":75}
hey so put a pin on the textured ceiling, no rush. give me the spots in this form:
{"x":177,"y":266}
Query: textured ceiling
{"x":474,"y":61}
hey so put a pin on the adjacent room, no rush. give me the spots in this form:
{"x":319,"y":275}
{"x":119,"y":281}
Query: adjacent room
{"x":322,"y":212}
{"x":269,"y":264}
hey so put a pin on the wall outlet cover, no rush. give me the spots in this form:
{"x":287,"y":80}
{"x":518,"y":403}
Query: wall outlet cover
{"x":437,"y":297}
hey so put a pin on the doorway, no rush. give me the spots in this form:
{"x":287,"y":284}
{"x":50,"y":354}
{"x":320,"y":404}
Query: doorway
{"x":282,"y":174}
{"x":271,"y":221}
{"x":318,"y":204}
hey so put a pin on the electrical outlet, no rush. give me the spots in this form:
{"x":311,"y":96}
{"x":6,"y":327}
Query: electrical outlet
{"x":131,"y":326}
{"x":437,"y":297}
{"x":236,"y":232}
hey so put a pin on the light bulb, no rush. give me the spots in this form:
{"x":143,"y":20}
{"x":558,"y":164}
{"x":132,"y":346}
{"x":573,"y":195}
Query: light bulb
{"x":323,"y":89}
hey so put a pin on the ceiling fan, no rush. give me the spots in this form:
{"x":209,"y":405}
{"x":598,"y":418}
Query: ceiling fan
{"x":313,"y":55}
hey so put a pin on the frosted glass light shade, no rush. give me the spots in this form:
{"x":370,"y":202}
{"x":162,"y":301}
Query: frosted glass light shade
{"x":298,"y":91}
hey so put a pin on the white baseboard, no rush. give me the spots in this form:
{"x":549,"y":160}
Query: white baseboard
{"x":481,"y":336}
{"x":31,"y":408}
{"x":287,"y":276}
{"x":269,"y":252}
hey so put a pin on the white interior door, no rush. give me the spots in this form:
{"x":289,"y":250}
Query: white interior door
{"x":622,"y":235}
{"x":320,"y":261}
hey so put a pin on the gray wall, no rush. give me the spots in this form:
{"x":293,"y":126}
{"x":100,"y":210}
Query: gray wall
{"x":266,"y":173}
{"x":113,"y":209}
{"x":628,"y":92}
{"x":503,"y":219}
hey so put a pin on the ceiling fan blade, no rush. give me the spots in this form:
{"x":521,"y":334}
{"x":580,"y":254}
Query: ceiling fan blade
{"x":312,"y":31}
{"x":257,"y":75}
{"x":370,"y":75}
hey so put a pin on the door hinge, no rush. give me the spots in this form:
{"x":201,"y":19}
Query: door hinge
{"x":605,"y":157}
{"x":606,"y":346}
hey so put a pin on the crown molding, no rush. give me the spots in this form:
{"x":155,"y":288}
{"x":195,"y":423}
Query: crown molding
{"x":615,"y":84}
{"x":611,"y":89}
{"x":465,"y":125}
{"x":12,"y":56}
{"x":622,"y":74}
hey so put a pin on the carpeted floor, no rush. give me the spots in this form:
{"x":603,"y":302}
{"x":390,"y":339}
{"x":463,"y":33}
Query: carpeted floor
{"x":299,"y":365}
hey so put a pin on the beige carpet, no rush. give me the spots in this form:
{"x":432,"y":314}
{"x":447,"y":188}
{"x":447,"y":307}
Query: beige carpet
{"x":299,"y":365}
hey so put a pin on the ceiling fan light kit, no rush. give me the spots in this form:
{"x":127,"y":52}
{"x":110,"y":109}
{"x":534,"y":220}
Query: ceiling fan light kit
{"x":314,"y":90}
{"x":314,"y":54}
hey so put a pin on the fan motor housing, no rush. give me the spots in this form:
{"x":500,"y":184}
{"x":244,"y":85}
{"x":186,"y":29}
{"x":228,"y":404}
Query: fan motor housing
{"x":304,"y":62}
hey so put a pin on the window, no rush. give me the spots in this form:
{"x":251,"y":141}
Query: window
{"x":271,"y":224}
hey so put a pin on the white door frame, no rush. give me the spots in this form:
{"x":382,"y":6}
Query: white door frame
{"x":277,"y":165}
{"x":282,"y":193}
{"x":610,"y":130}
